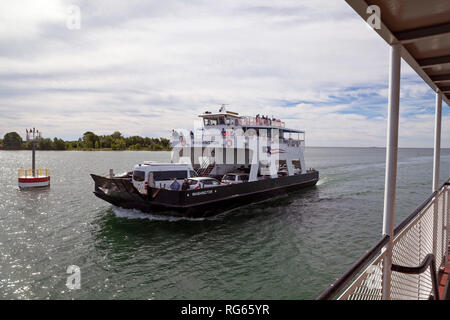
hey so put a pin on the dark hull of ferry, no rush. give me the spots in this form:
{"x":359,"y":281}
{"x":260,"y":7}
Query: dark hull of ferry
{"x":201,"y":202}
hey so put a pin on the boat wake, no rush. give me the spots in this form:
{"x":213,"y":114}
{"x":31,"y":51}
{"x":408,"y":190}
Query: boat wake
{"x":322,"y":181}
{"x":137,"y":214}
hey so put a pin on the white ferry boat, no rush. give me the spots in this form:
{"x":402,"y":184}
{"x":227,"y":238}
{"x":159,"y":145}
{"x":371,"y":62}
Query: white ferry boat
{"x":246,"y":160}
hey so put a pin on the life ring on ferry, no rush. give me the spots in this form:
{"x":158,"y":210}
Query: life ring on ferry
{"x":229,"y":142}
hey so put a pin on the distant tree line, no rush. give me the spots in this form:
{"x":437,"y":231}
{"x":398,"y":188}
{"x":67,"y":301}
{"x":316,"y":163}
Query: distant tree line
{"x":89,"y":141}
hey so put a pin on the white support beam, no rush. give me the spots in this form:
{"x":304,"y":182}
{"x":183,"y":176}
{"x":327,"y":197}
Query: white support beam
{"x":436,"y":166}
{"x":391,"y":163}
{"x":437,"y":141}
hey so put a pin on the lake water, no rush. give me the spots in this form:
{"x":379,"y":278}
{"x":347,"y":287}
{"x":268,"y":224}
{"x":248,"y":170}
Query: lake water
{"x":292,"y":247}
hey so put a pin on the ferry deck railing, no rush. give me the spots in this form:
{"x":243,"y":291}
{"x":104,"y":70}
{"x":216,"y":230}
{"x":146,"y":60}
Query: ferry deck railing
{"x":253,"y":121}
{"x":419,"y":252}
{"x":219,"y":140}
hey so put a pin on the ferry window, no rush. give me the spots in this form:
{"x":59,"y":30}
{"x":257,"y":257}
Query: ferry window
{"x":210,"y":182}
{"x":192,"y":173}
{"x":192,"y":182}
{"x":212,"y":122}
{"x":243,"y":178}
{"x":262,"y":132}
{"x":138,"y":175}
{"x":275,"y":133}
{"x":229,"y":177}
{"x":169,"y":175}
{"x":227,"y":121}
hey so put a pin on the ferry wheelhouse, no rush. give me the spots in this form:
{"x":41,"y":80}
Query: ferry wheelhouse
{"x":262,"y":155}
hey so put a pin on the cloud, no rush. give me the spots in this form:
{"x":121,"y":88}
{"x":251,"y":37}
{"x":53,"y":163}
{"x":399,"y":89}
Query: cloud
{"x":145,"y":67}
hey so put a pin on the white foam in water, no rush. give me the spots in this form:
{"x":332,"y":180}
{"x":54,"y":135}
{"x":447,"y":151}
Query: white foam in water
{"x":137,"y":214}
{"x":322,"y":180}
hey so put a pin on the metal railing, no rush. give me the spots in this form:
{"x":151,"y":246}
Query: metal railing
{"x":428,"y":262}
{"x":41,"y":172}
{"x":420,"y":237}
{"x":205,"y":165}
{"x":253,"y":121}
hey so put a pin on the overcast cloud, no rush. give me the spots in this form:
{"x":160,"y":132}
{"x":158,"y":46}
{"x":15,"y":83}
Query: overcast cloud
{"x":145,"y":67}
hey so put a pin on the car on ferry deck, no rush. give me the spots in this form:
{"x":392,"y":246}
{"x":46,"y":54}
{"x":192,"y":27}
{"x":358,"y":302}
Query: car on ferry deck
{"x":203,"y":182}
{"x":232,"y":178}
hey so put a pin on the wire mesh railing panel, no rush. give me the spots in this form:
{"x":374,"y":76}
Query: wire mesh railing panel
{"x":411,"y":246}
{"x":447,"y":222}
{"x":439,"y":226}
{"x":425,"y":232}
{"x":369,"y":284}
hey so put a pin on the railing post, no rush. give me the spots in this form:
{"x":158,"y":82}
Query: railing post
{"x":33,"y":158}
{"x":447,"y":221}
{"x":444,"y":243}
{"x":391,"y":163}
{"x":436,"y":167}
{"x":437,"y":141}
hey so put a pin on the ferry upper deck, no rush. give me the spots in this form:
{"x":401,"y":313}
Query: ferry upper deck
{"x":230,"y":125}
{"x":232,"y":120}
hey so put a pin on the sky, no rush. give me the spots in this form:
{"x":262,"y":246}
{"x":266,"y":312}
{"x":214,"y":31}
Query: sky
{"x":146,"y":67}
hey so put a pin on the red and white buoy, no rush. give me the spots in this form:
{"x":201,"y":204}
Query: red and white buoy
{"x":34,"y":178}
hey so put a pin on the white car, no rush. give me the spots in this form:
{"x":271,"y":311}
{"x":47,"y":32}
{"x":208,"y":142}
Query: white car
{"x":232,"y":178}
{"x":203,"y":182}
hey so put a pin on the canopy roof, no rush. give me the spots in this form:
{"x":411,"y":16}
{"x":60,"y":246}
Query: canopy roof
{"x":422,"y":27}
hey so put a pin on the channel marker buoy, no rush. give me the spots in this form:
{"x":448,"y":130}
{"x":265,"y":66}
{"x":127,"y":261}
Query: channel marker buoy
{"x":34,"y":178}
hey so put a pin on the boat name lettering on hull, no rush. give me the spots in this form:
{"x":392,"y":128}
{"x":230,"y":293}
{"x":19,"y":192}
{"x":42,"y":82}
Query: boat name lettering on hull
{"x":202,"y":193}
